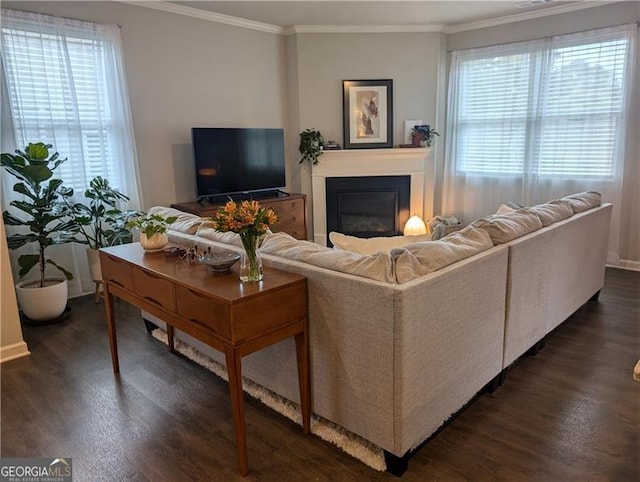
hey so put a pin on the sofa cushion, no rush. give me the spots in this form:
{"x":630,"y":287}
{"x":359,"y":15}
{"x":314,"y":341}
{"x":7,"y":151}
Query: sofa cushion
{"x":553,"y":211}
{"x":207,"y":231}
{"x":504,"y":227}
{"x":508,"y":207}
{"x":583,"y":200}
{"x":505,"y":208}
{"x":186,"y":223}
{"x":419,"y":259}
{"x":373,"y":245}
{"x":377,"y":266}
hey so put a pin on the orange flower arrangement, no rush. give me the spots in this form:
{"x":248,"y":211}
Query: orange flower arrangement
{"x":247,"y":218}
{"x":250,"y":221}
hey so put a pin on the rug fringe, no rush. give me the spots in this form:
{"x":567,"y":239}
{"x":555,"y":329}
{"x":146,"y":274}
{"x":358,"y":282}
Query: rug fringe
{"x":352,"y":444}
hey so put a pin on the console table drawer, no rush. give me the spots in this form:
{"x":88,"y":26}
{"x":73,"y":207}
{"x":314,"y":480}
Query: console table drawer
{"x":204,"y":311}
{"x":116,"y":271}
{"x":154,"y":289}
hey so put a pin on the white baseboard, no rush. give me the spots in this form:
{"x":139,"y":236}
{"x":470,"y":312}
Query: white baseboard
{"x":11,"y":352}
{"x":625,"y":264}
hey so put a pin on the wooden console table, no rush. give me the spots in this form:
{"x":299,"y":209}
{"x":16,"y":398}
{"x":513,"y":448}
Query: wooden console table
{"x":291,"y":211}
{"x":233,"y":317}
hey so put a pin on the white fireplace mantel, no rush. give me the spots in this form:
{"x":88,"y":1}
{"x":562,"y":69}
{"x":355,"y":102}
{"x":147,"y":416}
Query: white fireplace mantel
{"x":367,"y":162}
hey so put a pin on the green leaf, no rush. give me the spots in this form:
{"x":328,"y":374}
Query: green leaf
{"x":16,"y":241}
{"x":37,"y":172}
{"x":66,"y":273}
{"x":11,"y":220}
{"x":38,"y":151}
{"x":26,"y":263}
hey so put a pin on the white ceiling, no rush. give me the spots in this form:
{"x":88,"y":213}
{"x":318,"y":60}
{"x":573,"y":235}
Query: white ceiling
{"x":405,"y":13}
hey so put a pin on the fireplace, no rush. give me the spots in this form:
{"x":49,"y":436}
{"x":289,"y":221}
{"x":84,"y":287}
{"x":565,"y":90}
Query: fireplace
{"x":411,"y":162}
{"x":367,"y":206}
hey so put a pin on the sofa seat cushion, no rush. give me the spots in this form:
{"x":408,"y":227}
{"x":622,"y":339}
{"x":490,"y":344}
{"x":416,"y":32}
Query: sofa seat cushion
{"x":504,"y":227}
{"x":373,"y":245}
{"x":553,"y":211}
{"x":419,"y":259}
{"x":186,"y":223}
{"x":583,"y":201}
{"x":377,"y":266}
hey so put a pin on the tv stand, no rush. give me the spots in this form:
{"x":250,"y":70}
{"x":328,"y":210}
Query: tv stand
{"x":290,"y":209}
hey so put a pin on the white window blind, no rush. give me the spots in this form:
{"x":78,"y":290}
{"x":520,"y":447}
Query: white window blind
{"x":60,"y":76}
{"x":551,"y":107}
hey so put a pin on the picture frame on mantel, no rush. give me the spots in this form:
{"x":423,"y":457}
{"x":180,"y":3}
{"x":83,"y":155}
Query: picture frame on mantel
{"x":367,"y":109}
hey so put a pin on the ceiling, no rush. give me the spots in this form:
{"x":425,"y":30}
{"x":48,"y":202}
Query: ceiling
{"x":405,"y":13}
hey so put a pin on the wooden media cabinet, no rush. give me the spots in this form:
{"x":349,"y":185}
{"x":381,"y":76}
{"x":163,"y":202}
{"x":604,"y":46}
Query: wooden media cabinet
{"x":291,"y":211}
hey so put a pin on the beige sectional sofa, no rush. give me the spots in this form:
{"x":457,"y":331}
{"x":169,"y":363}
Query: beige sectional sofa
{"x":402,"y":340}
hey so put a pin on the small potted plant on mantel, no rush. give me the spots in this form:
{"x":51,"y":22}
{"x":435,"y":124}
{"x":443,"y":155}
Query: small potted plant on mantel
{"x":311,"y":144}
{"x":423,"y":136}
{"x":153,"y":230}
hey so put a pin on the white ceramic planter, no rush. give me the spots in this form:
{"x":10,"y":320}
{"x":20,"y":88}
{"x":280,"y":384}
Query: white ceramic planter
{"x":41,"y":304}
{"x":157,"y":241}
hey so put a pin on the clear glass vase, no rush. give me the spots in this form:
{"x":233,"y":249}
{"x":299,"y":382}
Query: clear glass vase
{"x":250,"y":261}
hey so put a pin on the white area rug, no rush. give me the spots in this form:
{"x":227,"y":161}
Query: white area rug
{"x":352,"y":444}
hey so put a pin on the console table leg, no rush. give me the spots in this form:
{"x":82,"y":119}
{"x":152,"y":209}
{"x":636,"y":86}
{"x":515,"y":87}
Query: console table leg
{"x":234,"y":370}
{"x":111,"y":328}
{"x":302,"y":355}
{"x":170,"y":338}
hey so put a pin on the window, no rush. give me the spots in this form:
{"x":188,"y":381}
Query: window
{"x":65,"y":87}
{"x":552,"y":107}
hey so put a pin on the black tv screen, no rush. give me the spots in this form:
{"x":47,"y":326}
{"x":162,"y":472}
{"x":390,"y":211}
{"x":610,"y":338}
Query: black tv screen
{"x":236,"y":160}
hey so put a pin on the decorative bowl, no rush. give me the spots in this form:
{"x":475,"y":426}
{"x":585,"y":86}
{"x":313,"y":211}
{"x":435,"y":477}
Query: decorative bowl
{"x":219,"y":261}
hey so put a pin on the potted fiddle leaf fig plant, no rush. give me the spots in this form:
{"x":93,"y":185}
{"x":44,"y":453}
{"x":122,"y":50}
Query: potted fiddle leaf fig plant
{"x":153,"y":230}
{"x":100,"y":223}
{"x":44,"y":215}
{"x":311,"y":144}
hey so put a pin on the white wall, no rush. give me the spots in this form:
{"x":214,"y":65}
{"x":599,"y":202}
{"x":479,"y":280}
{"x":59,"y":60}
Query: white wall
{"x":322,"y":61}
{"x":12,"y":344}
{"x":184,"y":72}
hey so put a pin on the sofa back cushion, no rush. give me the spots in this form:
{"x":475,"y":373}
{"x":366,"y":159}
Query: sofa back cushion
{"x":553,"y":211}
{"x":186,"y":223}
{"x":502,"y":228}
{"x":420,"y":259}
{"x":207,"y":231}
{"x":583,"y":200}
{"x":377,"y":266}
{"x":373,"y":245}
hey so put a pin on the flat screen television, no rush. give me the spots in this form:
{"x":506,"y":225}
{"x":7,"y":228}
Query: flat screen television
{"x":237,"y":160}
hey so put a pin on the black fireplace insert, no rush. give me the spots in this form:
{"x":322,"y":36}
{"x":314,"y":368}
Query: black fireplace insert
{"x":367,"y":206}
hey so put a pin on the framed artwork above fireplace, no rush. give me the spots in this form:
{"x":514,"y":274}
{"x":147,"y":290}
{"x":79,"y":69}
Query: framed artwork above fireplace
{"x":367,"y":109}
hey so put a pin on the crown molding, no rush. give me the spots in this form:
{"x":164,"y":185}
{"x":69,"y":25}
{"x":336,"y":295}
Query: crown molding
{"x":296,"y":29}
{"x":519,"y":17}
{"x":206,"y":15}
{"x":362,"y":28}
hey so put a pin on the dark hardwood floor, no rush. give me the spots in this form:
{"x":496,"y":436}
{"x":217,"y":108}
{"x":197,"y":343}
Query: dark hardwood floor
{"x":571,"y":413}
